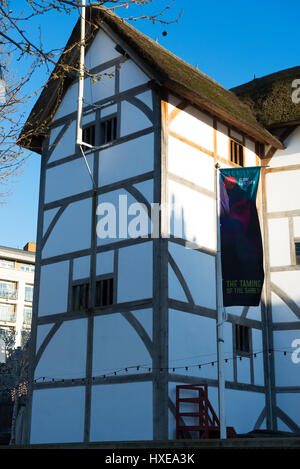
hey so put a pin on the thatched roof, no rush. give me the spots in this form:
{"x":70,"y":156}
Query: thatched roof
{"x":170,"y":71}
{"x":270,"y":98}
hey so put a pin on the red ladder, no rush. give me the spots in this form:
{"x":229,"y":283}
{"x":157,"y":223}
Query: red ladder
{"x":207,"y":424}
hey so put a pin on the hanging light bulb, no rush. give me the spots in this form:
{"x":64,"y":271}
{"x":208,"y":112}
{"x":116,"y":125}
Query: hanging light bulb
{"x":2,"y":87}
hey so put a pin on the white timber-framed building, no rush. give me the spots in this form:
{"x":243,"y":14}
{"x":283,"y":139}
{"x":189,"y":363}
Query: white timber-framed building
{"x":105,"y":365}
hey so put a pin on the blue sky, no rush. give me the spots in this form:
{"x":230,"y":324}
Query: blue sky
{"x":230,"y":41}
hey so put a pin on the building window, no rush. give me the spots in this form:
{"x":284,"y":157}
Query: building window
{"x":27,"y":315}
{"x":108,"y":130}
{"x":7,"y":264}
{"x":242,"y":339}
{"x":297,"y":247}
{"x":88,"y":135}
{"x":104,"y":292}
{"x":80,"y":296}
{"x":27,"y":267}
{"x":8,"y":290}
{"x":236,"y":152}
{"x":7,"y":312}
{"x":29,"y":293}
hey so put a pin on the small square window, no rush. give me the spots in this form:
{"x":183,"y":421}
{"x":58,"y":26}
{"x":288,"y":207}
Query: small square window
{"x":297,"y":247}
{"x":104,"y":292}
{"x":236,"y":152}
{"x":80,"y":298}
{"x":108,"y":130}
{"x":242,"y":339}
{"x":88,"y":135}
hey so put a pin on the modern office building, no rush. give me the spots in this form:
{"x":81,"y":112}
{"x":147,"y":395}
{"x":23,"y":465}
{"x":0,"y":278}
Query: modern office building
{"x":16,"y":292}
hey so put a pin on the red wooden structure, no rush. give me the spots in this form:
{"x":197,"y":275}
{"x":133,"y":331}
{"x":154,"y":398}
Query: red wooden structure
{"x":204,"y":419}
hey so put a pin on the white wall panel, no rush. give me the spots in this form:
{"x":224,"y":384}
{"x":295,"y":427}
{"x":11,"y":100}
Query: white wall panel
{"x":135,"y":272}
{"x":192,"y":341}
{"x":126,"y":160}
{"x":279,"y":242}
{"x":65,"y":355}
{"x":117,"y":346}
{"x":191,"y":215}
{"x":66,"y":144}
{"x":101,"y":50}
{"x":68,"y":179}
{"x":191,"y":164}
{"x":288,"y":282}
{"x":131,"y":76}
{"x":72,"y":231}
{"x":147,"y":99}
{"x":286,"y":372}
{"x":297,"y":227}
{"x":258,"y":365}
{"x":146,"y":188}
{"x":176,"y":291}
{"x":105,"y":263}
{"x":68,"y":103}
{"x":54,"y":288}
{"x":250,"y":156}
{"x":283,"y":191}
{"x":48,"y":217}
{"x":291,"y":154}
{"x":198,"y":270}
{"x":42,"y":331}
{"x":195,"y":126}
{"x":122,"y":412}
{"x":58,"y":415}
{"x":289,"y":404}
{"x":222,"y":141}
{"x":243,"y":409}
{"x":280,"y":310}
{"x":81,"y":268}
{"x":133,"y":119}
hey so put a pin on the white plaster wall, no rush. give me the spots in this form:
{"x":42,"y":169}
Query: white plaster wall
{"x":68,"y":179}
{"x":105,"y":263}
{"x":103,"y":88}
{"x":289,"y":404}
{"x":280,"y":311}
{"x":65,"y":355}
{"x":195,"y":126}
{"x":291,"y":154}
{"x":126,"y":160}
{"x":198,"y":270}
{"x":258,"y":364}
{"x":58,"y":415}
{"x":243,"y":409}
{"x":297,"y":227}
{"x":147,"y":98}
{"x":117,"y":346}
{"x":250,"y":155}
{"x":48,"y":217}
{"x":176,"y":291}
{"x":54,"y":288}
{"x":288,"y":282}
{"x":121,"y":216}
{"x":192,"y":341}
{"x":122,"y":412}
{"x":135,"y":272}
{"x":286,"y":372}
{"x":222,"y":141}
{"x":146,"y":188}
{"x":101,"y":50}
{"x":66,"y":144}
{"x":191,"y":164}
{"x":279,"y":242}
{"x":133,"y":119}
{"x":191,"y":215}
{"x":81,"y":267}
{"x":131,"y":76}
{"x":72,"y":231}
{"x":283,"y":191}
{"x":42,"y":331}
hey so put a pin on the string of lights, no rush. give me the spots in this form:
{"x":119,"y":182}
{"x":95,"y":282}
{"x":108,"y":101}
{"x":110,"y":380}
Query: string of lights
{"x":146,"y":368}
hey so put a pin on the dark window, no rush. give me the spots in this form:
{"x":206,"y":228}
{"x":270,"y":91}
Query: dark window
{"x":297,"y":246}
{"x":242,"y":339}
{"x":108,"y":130}
{"x":80,"y":296}
{"x":88,"y":135}
{"x":104,"y":292}
{"x":236,"y":153}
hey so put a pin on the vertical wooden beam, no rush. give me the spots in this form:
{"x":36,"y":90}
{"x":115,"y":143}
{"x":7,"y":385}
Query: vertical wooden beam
{"x":36,"y":293}
{"x":160,"y":274}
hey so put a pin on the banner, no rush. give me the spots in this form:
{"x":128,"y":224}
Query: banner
{"x":241,"y":243}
